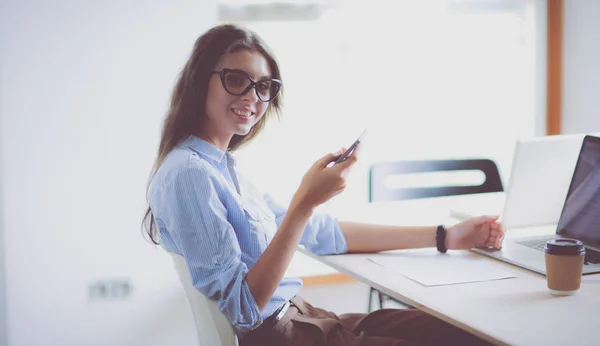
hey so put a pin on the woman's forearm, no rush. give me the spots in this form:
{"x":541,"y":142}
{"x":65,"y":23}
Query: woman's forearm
{"x":270,"y":268}
{"x":374,"y":238}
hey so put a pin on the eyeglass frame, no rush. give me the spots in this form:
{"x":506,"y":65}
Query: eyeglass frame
{"x":252,"y":84}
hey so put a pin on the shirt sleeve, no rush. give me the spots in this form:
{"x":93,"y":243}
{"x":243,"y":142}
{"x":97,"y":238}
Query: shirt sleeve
{"x":322,"y":235}
{"x":196,"y":218}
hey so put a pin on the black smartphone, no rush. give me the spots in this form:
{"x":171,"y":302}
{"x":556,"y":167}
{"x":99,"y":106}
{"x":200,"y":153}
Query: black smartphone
{"x":350,"y":150}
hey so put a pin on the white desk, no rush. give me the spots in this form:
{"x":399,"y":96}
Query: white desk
{"x":518,"y":311}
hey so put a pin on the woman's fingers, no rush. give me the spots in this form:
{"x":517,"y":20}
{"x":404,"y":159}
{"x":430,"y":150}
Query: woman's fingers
{"x":495,"y":238}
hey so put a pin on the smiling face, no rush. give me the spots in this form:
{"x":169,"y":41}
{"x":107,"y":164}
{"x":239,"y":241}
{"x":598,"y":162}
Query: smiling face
{"x":226,"y":114}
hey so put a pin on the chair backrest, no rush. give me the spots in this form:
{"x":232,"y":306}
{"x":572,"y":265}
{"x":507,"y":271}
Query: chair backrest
{"x":379,"y":191}
{"x":212,"y":327}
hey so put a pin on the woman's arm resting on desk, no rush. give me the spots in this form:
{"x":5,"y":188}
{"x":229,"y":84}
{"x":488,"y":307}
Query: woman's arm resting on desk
{"x":479,"y":231}
{"x":363,"y":237}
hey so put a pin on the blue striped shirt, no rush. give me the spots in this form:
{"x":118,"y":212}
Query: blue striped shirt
{"x":208,"y":213}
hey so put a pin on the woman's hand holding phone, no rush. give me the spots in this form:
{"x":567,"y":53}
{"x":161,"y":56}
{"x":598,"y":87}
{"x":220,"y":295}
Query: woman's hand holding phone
{"x":324,"y":181}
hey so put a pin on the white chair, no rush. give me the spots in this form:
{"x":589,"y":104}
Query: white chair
{"x":212,"y":327}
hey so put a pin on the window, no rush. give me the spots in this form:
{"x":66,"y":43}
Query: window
{"x":430,"y":79}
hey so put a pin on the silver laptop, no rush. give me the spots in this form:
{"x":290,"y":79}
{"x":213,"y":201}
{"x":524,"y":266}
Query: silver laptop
{"x":539,"y":164}
{"x":580,"y":218}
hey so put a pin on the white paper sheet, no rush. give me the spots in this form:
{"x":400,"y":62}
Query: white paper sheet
{"x":431,"y":268}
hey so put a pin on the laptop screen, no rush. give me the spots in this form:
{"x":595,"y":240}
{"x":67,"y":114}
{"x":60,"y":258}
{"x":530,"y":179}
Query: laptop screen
{"x":580,"y":217}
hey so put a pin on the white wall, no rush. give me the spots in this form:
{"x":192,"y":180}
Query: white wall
{"x":3,"y":336}
{"x":581,"y":70}
{"x":84,"y":87}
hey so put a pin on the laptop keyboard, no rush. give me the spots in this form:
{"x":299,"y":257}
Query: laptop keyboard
{"x":591,"y":256}
{"x":537,"y":244}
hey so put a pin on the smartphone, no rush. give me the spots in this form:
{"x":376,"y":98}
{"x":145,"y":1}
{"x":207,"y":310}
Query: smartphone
{"x":350,"y":150}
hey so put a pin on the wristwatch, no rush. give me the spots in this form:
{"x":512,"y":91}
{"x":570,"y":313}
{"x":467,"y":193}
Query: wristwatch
{"x":440,"y":238}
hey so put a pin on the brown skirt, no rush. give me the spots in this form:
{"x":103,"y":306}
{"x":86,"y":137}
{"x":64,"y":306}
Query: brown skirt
{"x":306,"y":325}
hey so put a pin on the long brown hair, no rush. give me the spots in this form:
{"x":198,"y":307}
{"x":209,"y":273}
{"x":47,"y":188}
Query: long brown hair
{"x":188,"y":102}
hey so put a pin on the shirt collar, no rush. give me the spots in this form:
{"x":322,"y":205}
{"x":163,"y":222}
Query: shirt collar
{"x":208,"y":150}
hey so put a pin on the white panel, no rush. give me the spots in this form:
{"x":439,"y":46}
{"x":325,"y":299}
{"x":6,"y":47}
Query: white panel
{"x":581,"y":71}
{"x":85,"y":86}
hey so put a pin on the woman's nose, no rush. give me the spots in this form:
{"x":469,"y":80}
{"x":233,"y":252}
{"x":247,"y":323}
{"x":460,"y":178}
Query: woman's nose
{"x":251,"y":95}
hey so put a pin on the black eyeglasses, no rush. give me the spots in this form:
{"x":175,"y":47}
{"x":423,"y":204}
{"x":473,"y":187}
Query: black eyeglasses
{"x":238,"y":83}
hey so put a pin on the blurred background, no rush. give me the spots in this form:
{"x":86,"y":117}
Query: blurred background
{"x":85,"y":86}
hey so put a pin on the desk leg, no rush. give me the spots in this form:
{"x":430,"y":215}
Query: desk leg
{"x":371,"y":291}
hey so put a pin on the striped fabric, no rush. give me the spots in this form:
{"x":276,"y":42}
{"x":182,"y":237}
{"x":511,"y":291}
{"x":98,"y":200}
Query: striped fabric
{"x":208,"y":213}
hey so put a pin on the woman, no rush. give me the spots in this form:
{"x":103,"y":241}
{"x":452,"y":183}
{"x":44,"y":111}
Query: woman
{"x":203,"y":209}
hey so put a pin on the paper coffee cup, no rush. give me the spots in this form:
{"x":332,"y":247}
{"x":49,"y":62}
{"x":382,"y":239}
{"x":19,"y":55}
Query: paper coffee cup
{"x":564,"y":265}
